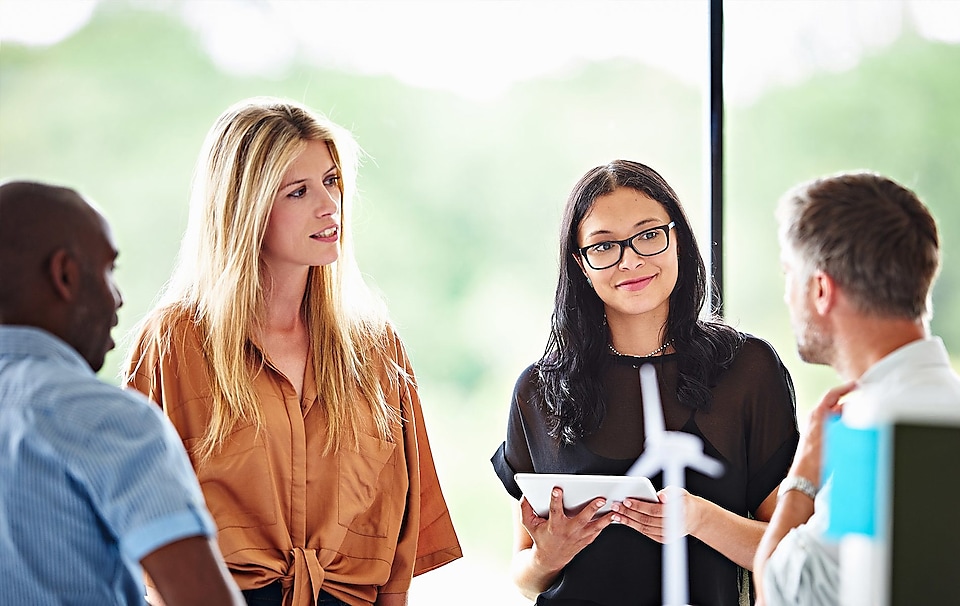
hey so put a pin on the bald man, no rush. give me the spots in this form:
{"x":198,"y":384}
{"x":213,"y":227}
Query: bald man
{"x":95,"y":486}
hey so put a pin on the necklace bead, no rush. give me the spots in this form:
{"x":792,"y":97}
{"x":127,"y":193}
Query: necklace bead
{"x":649,"y":355}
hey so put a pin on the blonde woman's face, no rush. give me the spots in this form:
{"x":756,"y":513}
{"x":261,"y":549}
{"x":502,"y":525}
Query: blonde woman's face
{"x":304,"y":225}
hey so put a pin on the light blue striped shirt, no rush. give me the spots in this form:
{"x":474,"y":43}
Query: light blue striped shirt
{"x":92,"y":479}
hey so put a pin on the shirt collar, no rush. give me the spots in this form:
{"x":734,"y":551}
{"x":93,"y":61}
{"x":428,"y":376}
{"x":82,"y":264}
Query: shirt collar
{"x":904,"y":360}
{"x":31,"y":341}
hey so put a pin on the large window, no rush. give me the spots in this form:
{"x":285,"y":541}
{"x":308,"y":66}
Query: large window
{"x":477,"y":118}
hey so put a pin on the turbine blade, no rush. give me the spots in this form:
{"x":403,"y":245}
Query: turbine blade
{"x":653,"y":423}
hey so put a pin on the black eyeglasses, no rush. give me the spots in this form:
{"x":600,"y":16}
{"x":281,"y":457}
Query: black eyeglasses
{"x":647,"y":243}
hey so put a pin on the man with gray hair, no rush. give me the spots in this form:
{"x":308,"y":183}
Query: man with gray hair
{"x":860,"y":254}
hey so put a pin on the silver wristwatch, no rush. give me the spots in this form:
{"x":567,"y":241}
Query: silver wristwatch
{"x":798,"y":483}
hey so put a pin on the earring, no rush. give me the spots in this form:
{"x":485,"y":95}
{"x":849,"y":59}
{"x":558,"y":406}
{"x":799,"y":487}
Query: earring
{"x":589,"y":282}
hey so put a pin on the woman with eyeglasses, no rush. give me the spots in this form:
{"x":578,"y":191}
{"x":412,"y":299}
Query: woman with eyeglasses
{"x":292,"y":393}
{"x":631,"y":290}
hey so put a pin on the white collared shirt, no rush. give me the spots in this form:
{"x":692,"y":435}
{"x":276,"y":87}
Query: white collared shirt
{"x":915,"y":383}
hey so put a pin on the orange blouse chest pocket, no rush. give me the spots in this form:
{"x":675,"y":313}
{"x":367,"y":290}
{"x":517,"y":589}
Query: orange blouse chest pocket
{"x":368,"y":489}
{"x":238,"y":482}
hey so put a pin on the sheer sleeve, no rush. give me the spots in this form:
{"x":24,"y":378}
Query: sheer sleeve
{"x":514,"y":454}
{"x":771,"y":415}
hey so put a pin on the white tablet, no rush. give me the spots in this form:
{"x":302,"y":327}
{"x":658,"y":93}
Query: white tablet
{"x":580,"y":489}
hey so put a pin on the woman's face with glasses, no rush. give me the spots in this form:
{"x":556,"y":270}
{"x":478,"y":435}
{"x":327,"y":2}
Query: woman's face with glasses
{"x":627,"y":248}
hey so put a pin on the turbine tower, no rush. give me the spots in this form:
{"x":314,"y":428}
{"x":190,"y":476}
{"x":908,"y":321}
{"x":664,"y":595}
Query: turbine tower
{"x":673,"y":452}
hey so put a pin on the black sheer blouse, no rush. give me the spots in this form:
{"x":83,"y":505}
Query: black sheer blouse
{"x":751,"y":426}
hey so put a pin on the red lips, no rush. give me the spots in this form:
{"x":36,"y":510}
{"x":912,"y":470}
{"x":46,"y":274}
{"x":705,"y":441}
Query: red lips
{"x":636,"y":283}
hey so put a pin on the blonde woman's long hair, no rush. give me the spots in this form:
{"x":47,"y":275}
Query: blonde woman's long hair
{"x":219,"y":278}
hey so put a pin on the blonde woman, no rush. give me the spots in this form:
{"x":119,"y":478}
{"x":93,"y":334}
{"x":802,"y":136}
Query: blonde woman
{"x":294,"y":397}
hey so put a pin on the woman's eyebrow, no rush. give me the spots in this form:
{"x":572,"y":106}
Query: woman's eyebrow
{"x":640,"y":224}
{"x":294,"y":182}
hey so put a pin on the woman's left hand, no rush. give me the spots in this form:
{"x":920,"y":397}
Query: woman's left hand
{"x":648,"y":518}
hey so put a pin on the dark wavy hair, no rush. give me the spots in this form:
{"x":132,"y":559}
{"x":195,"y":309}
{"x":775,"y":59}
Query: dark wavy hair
{"x":576,"y":350}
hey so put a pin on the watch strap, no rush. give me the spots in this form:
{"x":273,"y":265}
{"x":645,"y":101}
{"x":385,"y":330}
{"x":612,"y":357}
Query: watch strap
{"x":798,"y":483}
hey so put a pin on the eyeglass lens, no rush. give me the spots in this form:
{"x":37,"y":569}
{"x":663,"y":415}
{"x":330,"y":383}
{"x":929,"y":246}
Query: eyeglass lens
{"x":647,"y":243}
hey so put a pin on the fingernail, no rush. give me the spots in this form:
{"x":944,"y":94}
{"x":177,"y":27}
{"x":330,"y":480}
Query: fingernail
{"x":626,"y":503}
{"x":616,"y":519}
{"x":600,"y":504}
{"x":556,"y":493}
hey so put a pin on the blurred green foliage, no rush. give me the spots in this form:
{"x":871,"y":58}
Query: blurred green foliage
{"x":460,"y":200}
{"x":894,"y":114}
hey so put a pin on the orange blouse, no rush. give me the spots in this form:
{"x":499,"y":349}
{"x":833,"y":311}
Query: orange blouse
{"x":352,"y":523}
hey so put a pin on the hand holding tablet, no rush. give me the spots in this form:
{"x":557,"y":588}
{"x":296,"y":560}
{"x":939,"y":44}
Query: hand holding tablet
{"x":580,"y":489}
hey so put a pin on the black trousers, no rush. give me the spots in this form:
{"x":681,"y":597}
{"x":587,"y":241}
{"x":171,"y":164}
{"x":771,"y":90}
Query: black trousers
{"x":272,"y":595}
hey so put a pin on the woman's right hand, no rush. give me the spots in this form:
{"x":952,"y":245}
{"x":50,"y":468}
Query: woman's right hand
{"x":558,"y":537}
{"x":545,"y":545}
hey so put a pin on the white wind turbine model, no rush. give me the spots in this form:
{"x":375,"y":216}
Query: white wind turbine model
{"x":671,"y":451}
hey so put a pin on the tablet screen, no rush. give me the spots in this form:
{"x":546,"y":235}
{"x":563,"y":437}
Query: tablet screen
{"x":580,"y":489}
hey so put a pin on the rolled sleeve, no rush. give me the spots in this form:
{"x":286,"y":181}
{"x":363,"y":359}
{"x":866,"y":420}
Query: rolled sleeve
{"x":138,"y":475}
{"x":428,"y":539}
{"x":505,"y":472}
{"x":153,"y":535}
{"x":804,"y":568}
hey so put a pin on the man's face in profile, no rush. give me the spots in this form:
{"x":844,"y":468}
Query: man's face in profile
{"x":99,"y":296}
{"x":813,"y":342}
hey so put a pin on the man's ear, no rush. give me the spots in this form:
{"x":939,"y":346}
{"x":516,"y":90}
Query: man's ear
{"x":64,"y":274}
{"x":824,"y":292}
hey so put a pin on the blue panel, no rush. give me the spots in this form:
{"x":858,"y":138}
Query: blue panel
{"x":851,"y":456}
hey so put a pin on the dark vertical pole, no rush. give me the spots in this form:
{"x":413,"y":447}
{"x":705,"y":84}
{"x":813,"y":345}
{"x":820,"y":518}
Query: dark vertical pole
{"x":716,"y":155}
